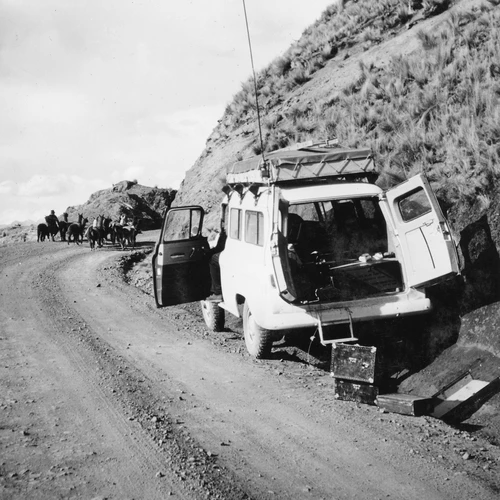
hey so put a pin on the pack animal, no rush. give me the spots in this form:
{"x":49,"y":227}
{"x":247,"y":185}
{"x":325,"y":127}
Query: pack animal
{"x":63,"y":226}
{"x":95,"y":234}
{"x":76,"y":230}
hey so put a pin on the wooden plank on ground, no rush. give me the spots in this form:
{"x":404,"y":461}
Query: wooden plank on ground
{"x":406,"y":404}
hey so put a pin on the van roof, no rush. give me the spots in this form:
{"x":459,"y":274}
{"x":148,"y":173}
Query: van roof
{"x":303,"y":164}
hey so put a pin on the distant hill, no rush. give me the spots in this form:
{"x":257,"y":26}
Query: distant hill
{"x":129,"y":198}
{"x":17,"y":223}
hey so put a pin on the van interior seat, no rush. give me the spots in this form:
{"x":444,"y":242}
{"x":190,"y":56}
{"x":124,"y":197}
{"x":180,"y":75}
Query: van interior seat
{"x":313,"y":237}
{"x":294,"y":228}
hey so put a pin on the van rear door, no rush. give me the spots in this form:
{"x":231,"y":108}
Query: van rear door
{"x":429,"y":251}
{"x":180,"y":261}
{"x":279,"y":253}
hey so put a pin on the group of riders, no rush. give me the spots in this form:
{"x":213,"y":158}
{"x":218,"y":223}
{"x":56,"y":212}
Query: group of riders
{"x":122,"y":231}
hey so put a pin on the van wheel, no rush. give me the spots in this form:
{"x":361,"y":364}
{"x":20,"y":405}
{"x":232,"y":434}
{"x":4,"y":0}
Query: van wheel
{"x":258,"y":340}
{"x":213,"y":315}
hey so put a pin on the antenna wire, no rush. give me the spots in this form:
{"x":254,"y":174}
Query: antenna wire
{"x":254,"y":84}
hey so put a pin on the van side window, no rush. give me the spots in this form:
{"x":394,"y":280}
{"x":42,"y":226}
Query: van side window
{"x":414,"y":205}
{"x":235,"y":224}
{"x":254,"y":227}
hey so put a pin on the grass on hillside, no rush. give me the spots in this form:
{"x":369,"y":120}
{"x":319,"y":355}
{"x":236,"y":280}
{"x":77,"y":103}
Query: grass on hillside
{"x":438,"y":114}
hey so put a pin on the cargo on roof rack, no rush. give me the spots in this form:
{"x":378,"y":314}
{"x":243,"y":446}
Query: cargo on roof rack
{"x":304,"y":164}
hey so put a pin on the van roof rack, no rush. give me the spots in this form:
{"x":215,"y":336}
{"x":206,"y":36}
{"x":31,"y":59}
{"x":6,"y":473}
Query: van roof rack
{"x":305,"y":163}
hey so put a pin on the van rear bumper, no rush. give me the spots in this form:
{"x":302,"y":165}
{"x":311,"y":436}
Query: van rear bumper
{"x":293,"y":317}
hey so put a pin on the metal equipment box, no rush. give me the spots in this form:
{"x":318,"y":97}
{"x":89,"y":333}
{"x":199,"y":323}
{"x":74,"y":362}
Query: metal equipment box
{"x":459,"y":400}
{"x":360,"y":392}
{"x":355,"y":362}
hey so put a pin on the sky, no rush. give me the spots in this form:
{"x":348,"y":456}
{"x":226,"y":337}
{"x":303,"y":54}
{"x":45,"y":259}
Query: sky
{"x":93,"y":92}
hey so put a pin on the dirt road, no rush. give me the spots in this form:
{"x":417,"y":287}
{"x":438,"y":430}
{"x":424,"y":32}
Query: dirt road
{"x":105,"y":396}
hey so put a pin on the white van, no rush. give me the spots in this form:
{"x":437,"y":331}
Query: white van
{"x":311,"y":242}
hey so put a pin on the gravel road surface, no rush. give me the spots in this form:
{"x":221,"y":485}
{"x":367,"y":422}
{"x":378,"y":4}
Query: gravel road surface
{"x":105,"y":396}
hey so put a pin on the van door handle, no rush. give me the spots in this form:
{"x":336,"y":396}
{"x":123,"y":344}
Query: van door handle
{"x":177,"y":256}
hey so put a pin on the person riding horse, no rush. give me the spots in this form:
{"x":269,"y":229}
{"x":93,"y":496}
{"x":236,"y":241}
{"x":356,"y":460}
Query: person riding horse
{"x":52,"y":224}
{"x":52,"y":219}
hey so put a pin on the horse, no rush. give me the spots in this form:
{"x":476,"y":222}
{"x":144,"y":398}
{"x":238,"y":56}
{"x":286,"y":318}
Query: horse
{"x":76,"y":230}
{"x":94,"y":237}
{"x":46,"y":230}
{"x":115,"y":230}
{"x":103,"y":226}
{"x":95,"y":234}
{"x":117,"y":234}
{"x":129,"y":233}
{"x":63,"y":226}
{"x":42,"y":232}
{"x":126,"y":234}
{"x":107,"y":229}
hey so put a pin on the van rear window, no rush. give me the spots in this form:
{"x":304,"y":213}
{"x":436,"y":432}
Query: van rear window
{"x":254,"y":227}
{"x":414,"y":205}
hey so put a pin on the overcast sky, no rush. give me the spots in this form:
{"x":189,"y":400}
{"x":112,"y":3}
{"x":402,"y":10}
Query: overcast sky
{"x":93,"y":92}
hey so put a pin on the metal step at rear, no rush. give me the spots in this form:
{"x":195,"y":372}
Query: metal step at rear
{"x":332,"y":341}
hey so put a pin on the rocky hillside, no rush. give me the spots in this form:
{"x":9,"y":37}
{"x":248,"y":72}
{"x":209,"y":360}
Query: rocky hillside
{"x":418,"y":82}
{"x":128,"y":198}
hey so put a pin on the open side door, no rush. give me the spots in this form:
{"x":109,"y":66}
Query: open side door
{"x":279,"y":252}
{"x":180,"y":261}
{"x":428,"y":249}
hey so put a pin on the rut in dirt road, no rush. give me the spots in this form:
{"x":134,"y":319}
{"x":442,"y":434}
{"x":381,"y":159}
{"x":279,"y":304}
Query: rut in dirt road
{"x":150,"y":393}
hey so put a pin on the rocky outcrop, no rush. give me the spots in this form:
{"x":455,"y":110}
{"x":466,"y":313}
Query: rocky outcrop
{"x":129,"y":198}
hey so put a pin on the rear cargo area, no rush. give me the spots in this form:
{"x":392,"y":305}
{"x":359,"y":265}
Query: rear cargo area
{"x":342,"y":255}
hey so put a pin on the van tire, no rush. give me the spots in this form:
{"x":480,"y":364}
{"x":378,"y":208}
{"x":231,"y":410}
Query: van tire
{"x":213,"y":315}
{"x":258,"y":340}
